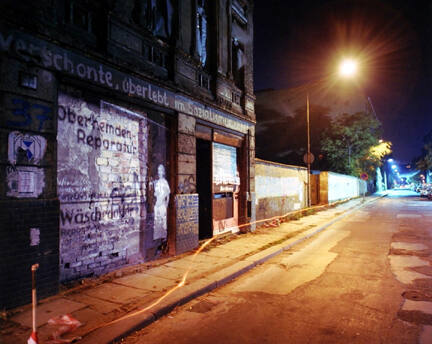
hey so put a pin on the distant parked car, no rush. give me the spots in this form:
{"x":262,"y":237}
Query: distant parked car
{"x":425,"y":190}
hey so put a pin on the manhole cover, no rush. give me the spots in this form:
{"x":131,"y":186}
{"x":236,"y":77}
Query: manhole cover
{"x":203,"y":306}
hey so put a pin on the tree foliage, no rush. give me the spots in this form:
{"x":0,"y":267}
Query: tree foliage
{"x":352,"y":144}
{"x":424,"y":162}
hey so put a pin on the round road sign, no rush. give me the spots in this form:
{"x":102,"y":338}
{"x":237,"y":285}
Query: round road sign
{"x":311,"y":158}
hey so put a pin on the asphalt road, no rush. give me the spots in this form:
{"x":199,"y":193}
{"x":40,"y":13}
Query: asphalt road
{"x":366,"y":279}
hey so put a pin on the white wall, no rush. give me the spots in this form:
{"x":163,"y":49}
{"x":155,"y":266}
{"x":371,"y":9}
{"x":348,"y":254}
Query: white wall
{"x":279,"y":188}
{"x":342,"y":186}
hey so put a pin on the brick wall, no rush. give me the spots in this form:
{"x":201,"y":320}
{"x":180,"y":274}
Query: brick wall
{"x":102,"y":174}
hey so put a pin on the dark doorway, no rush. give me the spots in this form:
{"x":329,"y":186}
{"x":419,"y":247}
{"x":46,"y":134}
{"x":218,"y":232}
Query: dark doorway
{"x":203,"y":164}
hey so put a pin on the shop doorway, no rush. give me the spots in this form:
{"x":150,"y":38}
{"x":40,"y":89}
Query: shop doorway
{"x":204,"y":182}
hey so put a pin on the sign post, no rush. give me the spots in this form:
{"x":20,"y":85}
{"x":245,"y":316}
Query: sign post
{"x":364,"y":176}
{"x":33,"y":338}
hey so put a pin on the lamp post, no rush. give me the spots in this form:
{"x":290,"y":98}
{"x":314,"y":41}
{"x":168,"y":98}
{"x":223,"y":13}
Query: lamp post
{"x":347,"y":69}
{"x":308,"y":157}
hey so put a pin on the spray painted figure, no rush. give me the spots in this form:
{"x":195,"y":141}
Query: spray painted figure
{"x":161,"y":193}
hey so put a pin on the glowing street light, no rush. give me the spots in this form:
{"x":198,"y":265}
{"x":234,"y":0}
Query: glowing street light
{"x":347,"y":69}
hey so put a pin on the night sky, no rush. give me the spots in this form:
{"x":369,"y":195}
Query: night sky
{"x":298,"y":42}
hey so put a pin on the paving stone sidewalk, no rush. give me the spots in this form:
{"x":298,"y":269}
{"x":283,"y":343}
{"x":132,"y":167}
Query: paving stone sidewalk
{"x":145,"y":292}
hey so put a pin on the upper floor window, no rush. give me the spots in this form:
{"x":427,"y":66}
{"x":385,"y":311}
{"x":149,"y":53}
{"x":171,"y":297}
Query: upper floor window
{"x":238,"y":61}
{"x":155,"y":16}
{"x":78,"y":14}
{"x":239,"y":11}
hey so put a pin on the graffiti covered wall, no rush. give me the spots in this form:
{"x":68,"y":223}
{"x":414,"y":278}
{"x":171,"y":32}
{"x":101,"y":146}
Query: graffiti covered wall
{"x":279,"y":188}
{"x":102,"y":172}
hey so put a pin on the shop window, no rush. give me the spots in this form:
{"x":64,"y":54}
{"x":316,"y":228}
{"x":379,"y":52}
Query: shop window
{"x":225,"y":172}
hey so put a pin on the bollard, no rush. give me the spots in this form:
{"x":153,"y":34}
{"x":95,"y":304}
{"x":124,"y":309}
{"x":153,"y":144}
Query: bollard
{"x":33,"y":338}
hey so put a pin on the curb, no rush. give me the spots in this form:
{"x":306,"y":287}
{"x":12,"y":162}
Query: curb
{"x":123,"y":328}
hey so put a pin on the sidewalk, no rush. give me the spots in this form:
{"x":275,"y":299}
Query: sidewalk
{"x":133,"y":297}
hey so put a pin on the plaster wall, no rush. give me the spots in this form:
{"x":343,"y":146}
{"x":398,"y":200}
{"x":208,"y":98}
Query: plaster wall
{"x":279,"y":189}
{"x":342,"y":186}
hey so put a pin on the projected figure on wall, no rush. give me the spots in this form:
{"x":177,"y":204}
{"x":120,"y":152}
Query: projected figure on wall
{"x":201,"y":32}
{"x":161,"y":193}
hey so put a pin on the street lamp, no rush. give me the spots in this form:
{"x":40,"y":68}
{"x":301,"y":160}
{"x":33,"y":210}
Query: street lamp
{"x":347,"y":69}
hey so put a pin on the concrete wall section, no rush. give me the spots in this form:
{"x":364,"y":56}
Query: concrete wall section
{"x":279,"y":188}
{"x":342,"y":187}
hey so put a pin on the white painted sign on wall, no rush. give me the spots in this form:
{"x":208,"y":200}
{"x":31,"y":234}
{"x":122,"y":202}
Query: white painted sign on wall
{"x":25,"y":181}
{"x":102,"y":159}
{"x":30,"y":147}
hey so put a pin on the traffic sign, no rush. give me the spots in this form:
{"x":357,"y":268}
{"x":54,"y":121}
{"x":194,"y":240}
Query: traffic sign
{"x":311,"y":158}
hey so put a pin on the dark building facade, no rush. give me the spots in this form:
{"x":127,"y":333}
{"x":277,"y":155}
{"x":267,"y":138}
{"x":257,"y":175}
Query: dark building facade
{"x":127,"y":132}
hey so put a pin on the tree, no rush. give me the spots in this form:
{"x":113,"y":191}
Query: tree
{"x":352,"y":144}
{"x":424,"y":162}
{"x":373,"y":159}
{"x":283,"y":138}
